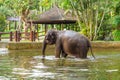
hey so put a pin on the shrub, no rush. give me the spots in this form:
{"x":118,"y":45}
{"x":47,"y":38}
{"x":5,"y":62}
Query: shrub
{"x":116,"y":35}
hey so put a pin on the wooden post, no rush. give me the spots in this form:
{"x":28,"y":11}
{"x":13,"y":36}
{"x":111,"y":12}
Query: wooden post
{"x":16,"y":36}
{"x":36,"y":35}
{"x":31,"y":35}
{"x":37,"y":27}
{"x":11,"y":36}
{"x":45,"y":28}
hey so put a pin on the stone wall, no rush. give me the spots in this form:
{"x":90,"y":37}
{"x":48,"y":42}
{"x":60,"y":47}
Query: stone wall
{"x":105,"y":44}
{"x":38,"y":45}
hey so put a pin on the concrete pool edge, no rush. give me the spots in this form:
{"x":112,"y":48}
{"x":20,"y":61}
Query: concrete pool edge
{"x":38,"y":45}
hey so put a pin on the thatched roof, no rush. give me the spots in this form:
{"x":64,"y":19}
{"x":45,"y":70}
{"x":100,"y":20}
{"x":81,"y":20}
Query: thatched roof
{"x":55,"y":13}
{"x":54,"y":16}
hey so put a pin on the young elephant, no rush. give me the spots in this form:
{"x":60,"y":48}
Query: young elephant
{"x":67,"y":43}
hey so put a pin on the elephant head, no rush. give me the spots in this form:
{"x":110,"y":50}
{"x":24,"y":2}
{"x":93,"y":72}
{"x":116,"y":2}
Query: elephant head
{"x":50,"y":39}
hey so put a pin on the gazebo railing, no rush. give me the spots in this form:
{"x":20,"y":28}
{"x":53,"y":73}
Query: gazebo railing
{"x":17,"y":36}
{"x":3,"y":33}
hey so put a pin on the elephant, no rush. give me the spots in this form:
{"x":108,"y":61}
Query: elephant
{"x":67,"y":42}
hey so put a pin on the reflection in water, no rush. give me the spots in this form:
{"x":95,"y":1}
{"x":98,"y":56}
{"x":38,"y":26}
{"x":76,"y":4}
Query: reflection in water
{"x":114,"y":70}
{"x":29,"y":65}
{"x":3,"y":51}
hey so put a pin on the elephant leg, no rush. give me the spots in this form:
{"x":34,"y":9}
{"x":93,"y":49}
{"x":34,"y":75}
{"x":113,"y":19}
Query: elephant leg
{"x":64,"y":54}
{"x":83,"y":52}
{"x":58,"y":49}
{"x":78,"y":52}
{"x":57,"y":53}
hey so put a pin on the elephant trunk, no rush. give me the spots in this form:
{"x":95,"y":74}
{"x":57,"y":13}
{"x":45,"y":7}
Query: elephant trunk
{"x":43,"y":48}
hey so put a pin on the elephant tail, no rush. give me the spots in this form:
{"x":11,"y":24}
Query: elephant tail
{"x":91,"y":50}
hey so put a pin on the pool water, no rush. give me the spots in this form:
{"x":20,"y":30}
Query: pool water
{"x":29,"y":65}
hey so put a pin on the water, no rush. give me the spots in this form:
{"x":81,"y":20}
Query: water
{"x":29,"y":65}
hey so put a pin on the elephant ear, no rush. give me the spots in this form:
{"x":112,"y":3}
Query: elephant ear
{"x":54,"y":36}
{"x":51,"y":36}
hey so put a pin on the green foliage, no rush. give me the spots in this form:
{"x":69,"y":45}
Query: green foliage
{"x":20,"y":5}
{"x":116,"y":35}
{"x":95,"y":17}
{"x":4,"y":12}
{"x":116,"y":21}
{"x":84,"y":31}
{"x":117,"y":10}
{"x":106,"y":29}
{"x":2,"y":23}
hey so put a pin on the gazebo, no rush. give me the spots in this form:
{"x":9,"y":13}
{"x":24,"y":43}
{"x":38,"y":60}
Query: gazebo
{"x":54,"y":16}
{"x":13,"y":19}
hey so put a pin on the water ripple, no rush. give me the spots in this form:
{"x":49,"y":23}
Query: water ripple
{"x":3,"y":51}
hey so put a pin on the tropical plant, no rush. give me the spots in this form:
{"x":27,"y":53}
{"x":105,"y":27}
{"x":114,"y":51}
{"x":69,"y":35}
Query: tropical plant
{"x":90,"y":15}
{"x":2,"y":23}
{"x":4,"y":12}
{"x":94,"y":16}
{"x":116,"y":28}
{"x":116,"y":22}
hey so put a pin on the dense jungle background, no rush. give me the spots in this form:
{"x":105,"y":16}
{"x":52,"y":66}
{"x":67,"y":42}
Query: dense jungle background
{"x":97,"y":19}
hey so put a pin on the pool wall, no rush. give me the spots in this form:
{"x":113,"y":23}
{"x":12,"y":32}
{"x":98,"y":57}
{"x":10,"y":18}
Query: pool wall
{"x":38,"y":45}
